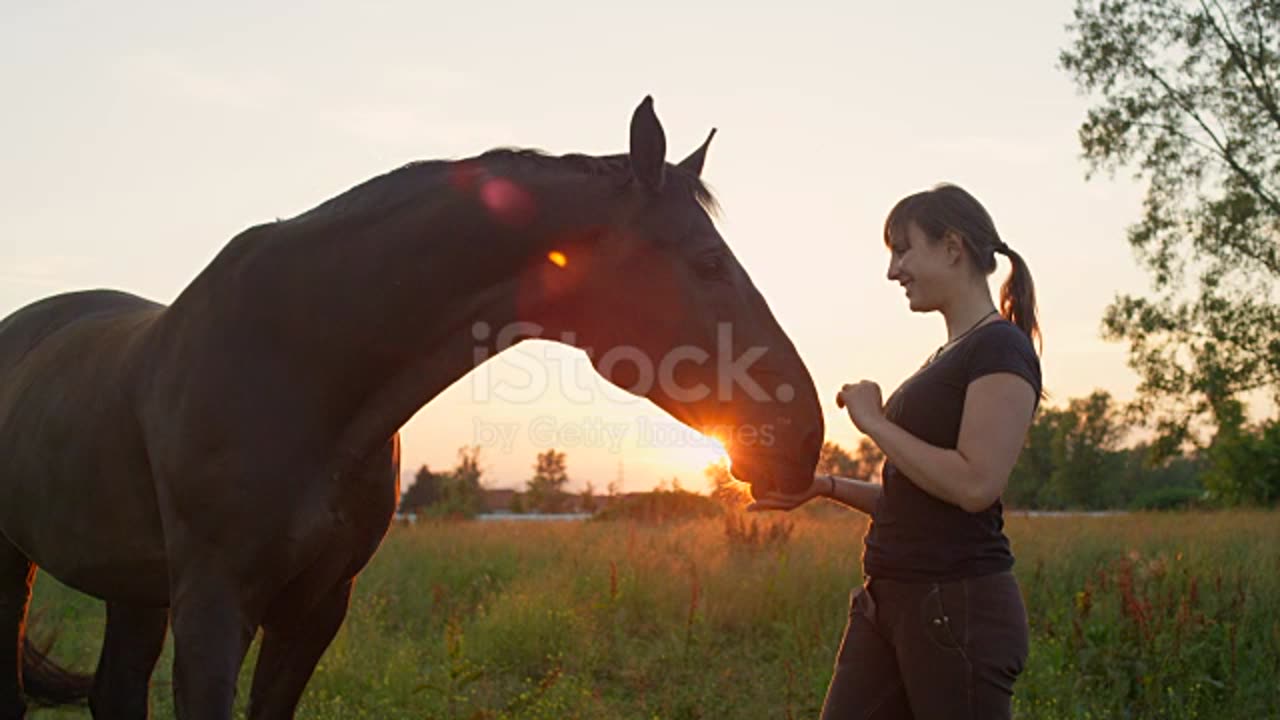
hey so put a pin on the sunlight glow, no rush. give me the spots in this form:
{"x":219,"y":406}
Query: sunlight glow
{"x":557,"y":257}
{"x":690,"y":459}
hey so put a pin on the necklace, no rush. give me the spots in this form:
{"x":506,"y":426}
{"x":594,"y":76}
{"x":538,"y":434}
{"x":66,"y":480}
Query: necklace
{"x":958,"y":338}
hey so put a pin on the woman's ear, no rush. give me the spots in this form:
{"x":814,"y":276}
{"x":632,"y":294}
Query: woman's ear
{"x":953,"y":244}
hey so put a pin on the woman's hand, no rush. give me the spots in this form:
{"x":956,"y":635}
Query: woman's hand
{"x":821,"y":485}
{"x":864,"y":404}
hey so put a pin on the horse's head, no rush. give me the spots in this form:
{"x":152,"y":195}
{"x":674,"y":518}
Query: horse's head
{"x":647,"y":286}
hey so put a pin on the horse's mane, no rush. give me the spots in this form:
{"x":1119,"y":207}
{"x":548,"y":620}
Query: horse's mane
{"x":597,"y":165}
{"x":408,"y":182}
{"x":606,"y":166}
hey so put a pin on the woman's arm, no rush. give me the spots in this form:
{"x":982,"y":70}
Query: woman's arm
{"x":857,"y":494}
{"x":998,"y":410}
{"x":860,"y":495}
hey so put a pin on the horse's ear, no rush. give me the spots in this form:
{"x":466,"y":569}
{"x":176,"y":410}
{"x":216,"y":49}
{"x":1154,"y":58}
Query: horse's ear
{"x":648,"y":147}
{"x":693,"y":163}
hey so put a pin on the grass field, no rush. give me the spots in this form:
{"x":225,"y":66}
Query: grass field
{"x":1132,"y":616}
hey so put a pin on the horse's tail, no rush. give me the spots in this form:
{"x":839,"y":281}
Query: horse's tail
{"x":47,"y":683}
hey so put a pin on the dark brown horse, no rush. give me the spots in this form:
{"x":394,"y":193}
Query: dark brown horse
{"x":229,"y":463}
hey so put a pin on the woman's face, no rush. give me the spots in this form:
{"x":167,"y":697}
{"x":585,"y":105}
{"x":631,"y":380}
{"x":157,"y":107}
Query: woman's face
{"x":925,"y":269}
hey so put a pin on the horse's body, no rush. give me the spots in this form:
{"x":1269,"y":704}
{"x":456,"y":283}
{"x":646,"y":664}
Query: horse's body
{"x":44,"y":347}
{"x":230,"y":462}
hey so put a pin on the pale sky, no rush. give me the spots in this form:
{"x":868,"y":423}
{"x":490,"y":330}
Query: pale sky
{"x":138,"y":138}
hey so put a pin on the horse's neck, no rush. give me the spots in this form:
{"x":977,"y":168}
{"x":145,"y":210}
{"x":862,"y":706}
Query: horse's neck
{"x":446,"y":350}
{"x":394,"y":303}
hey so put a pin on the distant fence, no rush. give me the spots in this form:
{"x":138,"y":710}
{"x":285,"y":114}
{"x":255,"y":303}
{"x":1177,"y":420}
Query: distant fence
{"x":532,"y":516}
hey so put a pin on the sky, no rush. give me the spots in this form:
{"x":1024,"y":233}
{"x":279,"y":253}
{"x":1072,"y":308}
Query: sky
{"x":138,"y":138}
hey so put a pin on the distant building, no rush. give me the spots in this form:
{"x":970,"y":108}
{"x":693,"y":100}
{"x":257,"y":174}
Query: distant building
{"x":498,"y":500}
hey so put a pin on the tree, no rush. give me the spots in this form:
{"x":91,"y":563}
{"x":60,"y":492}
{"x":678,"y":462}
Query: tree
{"x":1244,"y":462}
{"x":864,"y":464}
{"x":587,"y":499}
{"x":835,"y":460}
{"x":546,"y":493}
{"x":1150,"y":482}
{"x":1071,"y":457}
{"x":869,"y":459}
{"x":463,"y":493}
{"x":1086,"y":464}
{"x":1189,"y":96}
{"x":1026,"y":488}
{"x":455,"y":493}
{"x":426,"y":490}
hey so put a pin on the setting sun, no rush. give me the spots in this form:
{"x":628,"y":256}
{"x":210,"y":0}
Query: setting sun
{"x":689,"y":460}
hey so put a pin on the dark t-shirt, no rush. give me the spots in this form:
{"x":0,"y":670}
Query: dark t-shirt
{"x":915,"y":536}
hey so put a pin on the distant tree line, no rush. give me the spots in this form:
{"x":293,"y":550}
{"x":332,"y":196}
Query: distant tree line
{"x":1074,"y":459}
{"x":459,"y":493}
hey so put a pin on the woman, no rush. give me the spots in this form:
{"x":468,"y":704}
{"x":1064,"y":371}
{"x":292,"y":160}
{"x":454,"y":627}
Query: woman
{"x":939,"y":630}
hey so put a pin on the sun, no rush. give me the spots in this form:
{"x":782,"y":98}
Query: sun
{"x":688,"y":461}
{"x":701,"y":456}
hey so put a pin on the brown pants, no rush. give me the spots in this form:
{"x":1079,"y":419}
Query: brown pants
{"x":930,"y":650}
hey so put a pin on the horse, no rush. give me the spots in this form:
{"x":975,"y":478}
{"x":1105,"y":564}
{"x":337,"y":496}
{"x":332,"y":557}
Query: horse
{"x":228,"y":464}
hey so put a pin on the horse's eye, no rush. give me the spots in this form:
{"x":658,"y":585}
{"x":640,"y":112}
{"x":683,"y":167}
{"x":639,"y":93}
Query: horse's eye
{"x":711,"y":267}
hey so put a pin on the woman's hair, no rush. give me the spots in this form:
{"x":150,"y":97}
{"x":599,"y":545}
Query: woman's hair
{"x":949,"y":208}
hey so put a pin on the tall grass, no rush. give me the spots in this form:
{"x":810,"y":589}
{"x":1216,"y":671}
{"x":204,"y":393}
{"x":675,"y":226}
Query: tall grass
{"x":1135,"y":616}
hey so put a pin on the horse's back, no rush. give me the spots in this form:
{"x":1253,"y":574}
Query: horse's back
{"x":23,"y":330}
{"x":73,"y":468}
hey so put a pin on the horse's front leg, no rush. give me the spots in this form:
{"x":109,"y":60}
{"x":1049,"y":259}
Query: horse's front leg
{"x":213,"y":625}
{"x":306,"y":615}
{"x":291,"y":647}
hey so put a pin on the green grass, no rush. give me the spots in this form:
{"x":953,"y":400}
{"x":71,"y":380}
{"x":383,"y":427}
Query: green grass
{"x":1136,"y":616}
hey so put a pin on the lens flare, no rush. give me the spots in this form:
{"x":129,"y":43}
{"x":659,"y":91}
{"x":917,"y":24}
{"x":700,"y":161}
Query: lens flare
{"x":507,"y":202}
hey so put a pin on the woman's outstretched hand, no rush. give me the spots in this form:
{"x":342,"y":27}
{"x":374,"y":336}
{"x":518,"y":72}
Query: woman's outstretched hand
{"x":821,"y":484}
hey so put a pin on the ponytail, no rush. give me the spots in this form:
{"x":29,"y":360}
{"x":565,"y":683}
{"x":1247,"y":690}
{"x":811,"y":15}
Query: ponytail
{"x":1018,"y":297}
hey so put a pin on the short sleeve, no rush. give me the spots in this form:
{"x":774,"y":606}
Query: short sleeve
{"x":1004,"y":349}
